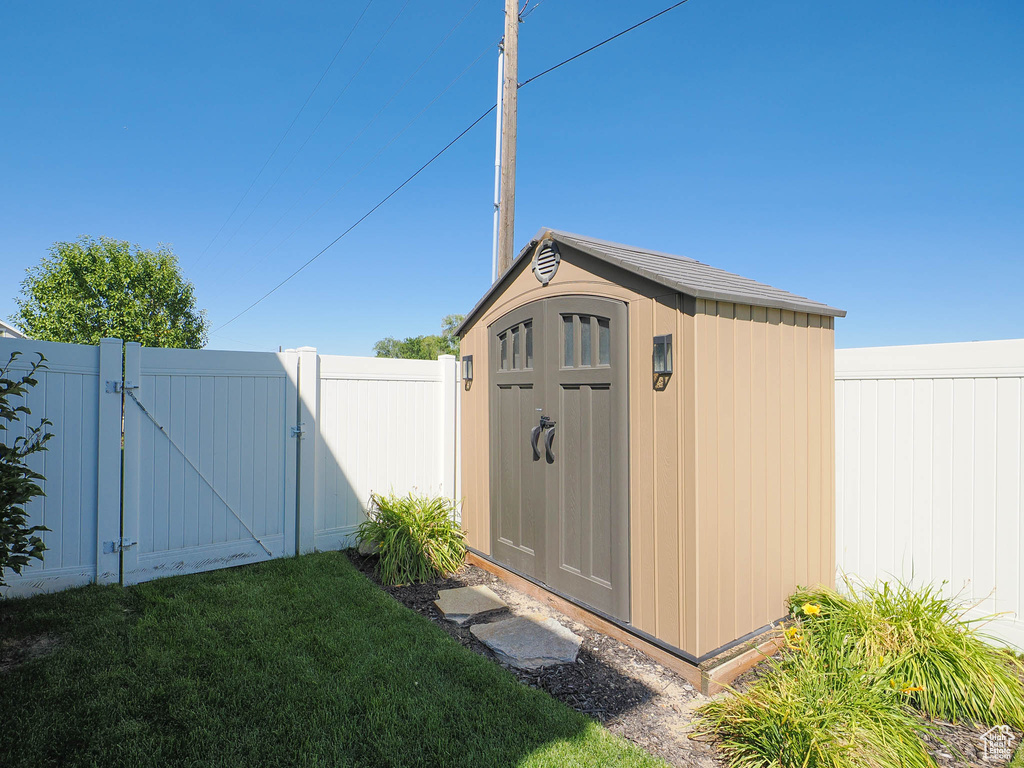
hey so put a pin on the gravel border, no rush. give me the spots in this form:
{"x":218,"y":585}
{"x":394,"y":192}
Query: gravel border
{"x":625,"y":690}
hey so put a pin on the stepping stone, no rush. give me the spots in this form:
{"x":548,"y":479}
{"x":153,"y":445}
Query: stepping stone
{"x":462,"y":604}
{"x":529,"y":642}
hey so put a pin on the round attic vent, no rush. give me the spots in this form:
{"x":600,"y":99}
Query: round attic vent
{"x":545,"y":261}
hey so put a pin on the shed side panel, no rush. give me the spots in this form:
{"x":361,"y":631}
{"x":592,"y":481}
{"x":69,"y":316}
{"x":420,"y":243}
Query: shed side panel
{"x":689,"y":473}
{"x":642,"y":558}
{"x":765,"y":474}
{"x":475,"y":430}
{"x":665,"y":549}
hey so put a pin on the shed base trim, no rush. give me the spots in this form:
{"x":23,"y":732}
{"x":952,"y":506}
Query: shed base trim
{"x":706,"y":678}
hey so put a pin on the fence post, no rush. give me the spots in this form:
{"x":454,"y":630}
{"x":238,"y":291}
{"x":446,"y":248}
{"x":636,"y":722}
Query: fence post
{"x":449,"y":384}
{"x":108,"y":463}
{"x":291,"y":453}
{"x":130,"y":476}
{"x":309,"y":413}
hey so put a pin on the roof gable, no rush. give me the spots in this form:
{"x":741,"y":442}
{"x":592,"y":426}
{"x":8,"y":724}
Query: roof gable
{"x":10,"y":330}
{"x":683,"y":274}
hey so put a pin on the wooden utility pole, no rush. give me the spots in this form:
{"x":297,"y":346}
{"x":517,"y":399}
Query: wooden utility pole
{"x":507,"y":200}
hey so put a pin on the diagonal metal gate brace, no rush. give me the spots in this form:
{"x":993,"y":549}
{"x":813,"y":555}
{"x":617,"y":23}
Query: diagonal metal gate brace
{"x":128,"y":389}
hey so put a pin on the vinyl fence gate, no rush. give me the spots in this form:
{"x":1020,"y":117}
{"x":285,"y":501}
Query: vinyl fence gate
{"x":228,"y":457}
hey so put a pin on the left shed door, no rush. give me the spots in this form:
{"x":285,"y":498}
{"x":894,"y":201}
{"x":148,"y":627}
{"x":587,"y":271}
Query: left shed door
{"x":518,"y":504}
{"x":206,"y":475}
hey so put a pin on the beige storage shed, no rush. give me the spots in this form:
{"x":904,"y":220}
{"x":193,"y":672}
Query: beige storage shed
{"x":650,"y":438}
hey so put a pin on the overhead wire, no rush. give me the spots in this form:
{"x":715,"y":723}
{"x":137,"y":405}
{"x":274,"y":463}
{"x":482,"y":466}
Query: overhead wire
{"x":444,"y":149}
{"x":315,"y":128}
{"x":359,"y":135}
{"x":288,"y":129}
{"x":603,"y":42}
{"x":367,"y":164}
{"x":362,"y":218}
{"x":528,"y":10}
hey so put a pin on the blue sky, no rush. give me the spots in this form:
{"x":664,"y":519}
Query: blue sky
{"x":868,"y":155}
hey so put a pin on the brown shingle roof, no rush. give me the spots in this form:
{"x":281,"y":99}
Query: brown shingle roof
{"x":680,"y":273}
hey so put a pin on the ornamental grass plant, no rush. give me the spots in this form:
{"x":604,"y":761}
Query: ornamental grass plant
{"x":418,"y":537}
{"x":861,"y":673}
{"x":918,"y":641}
{"x":810,"y":712}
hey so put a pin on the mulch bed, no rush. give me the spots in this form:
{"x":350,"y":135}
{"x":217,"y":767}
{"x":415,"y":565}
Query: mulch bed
{"x":953,"y":745}
{"x":958,"y":745}
{"x":623,"y":689}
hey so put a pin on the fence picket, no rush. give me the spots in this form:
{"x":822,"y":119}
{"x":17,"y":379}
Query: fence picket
{"x":928,"y":460}
{"x":108,"y":461}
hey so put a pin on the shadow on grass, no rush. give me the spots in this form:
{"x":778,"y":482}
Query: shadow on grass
{"x":289,"y":662}
{"x":590,"y":685}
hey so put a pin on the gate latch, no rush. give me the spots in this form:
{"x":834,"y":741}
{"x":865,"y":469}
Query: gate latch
{"x":118,"y":545}
{"x":298,"y":431}
{"x":118,"y":386}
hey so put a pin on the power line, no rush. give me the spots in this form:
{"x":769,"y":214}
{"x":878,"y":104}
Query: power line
{"x":527,"y":11}
{"x":603,"y":42}
{"x":355,"y":138}
{"x":366,"y":165}
{"x":444,"y":149}
{"x":362,"y":218}
{"x":287,"y":131}
{"x":315,"y":128}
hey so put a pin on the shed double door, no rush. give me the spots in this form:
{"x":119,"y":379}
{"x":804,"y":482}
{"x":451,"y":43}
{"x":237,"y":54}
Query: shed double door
{"x":559,"y":448}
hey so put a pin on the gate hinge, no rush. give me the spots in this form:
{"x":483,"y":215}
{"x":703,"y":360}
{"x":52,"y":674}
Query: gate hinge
{"x":119,"y":545}
{"x":298,"y":431}
{"x":120,"y":386}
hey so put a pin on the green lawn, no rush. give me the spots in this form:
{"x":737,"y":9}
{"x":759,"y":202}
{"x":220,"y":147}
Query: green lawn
{"x":292,"y":662}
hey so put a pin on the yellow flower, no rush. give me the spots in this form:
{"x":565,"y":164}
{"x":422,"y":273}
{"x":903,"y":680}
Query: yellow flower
{"x":811,"y":609}
{"x":913,"y":688}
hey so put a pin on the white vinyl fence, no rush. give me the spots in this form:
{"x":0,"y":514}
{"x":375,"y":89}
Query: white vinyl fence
{"x":234,"y":457}
{"x":82,"y":465}
{"x":382,"y":425}
{"x":228,"y":457}
{"x":929,"y":464}
{"x":206,"y":474}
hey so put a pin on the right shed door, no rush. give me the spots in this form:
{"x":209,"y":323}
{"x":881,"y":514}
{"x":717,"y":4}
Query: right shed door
{"x":574,"y":451}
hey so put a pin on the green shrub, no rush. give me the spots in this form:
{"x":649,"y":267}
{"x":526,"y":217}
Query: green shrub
{"x":918,"y":640}
{"x":808,"y":712}
{"x":418,"y":537}
{"x":1018,"y":758}
{"x":18,"y":482}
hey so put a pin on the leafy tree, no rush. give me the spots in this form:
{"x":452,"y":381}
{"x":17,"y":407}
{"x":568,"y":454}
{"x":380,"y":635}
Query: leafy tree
{"x":89,"y":289}
{"x":423,"y":347}
{"x":18,"y":483}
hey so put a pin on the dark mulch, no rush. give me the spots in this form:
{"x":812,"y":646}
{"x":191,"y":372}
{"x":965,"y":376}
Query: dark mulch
{"x":959,"y":745}
{"x":953,"y":745}
{"x":623,"y":689}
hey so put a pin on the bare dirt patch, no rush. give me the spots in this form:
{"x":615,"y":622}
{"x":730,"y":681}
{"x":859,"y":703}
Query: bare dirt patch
{"x":16,"y":651}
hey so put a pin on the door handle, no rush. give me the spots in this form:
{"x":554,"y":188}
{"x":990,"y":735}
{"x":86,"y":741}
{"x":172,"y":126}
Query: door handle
{"x":534,"y":434}
{"x":548,"y":440}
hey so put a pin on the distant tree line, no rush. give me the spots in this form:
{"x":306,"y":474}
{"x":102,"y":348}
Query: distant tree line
{"x":423,"y":347}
